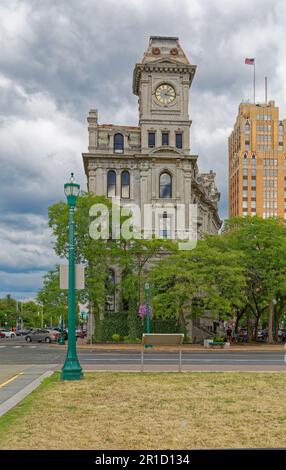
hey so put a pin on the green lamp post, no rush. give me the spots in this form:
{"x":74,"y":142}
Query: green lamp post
{"x":71,"y":369}
{"x":147,"y":295}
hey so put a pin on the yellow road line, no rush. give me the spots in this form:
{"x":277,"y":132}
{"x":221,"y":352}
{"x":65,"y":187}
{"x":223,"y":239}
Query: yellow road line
{"x":11,"y":380}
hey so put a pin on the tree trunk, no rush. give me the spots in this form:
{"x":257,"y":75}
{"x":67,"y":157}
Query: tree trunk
{"x":237,"y":322}
{"x":256,"y":327}
{"x":249,"y":330}
{"x":276,"y":326}
{"x":270,"y":322}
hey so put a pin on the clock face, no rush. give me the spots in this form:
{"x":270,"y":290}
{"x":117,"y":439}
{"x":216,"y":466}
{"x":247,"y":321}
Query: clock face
{"x":165,"y":94}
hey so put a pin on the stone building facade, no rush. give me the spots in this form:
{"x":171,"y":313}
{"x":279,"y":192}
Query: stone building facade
{"x":152,"y":163}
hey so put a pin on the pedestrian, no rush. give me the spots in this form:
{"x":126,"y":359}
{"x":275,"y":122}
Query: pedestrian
{"x":234,"y":335}
{"x":228,"y":334}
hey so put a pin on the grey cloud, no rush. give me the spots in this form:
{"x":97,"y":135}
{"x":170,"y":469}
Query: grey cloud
{"x":61,"y":58}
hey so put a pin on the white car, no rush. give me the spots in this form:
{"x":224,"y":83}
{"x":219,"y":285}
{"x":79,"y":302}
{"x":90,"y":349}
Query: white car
{"x":8,"y":333}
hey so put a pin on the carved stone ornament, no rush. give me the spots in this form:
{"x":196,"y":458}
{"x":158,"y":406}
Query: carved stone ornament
{"x":156,"y":51}
{"x":174,"y":51}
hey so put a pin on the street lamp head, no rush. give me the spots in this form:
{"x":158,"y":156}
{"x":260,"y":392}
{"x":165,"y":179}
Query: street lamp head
{"x":146,"y":285}
{"x":72,"y":191}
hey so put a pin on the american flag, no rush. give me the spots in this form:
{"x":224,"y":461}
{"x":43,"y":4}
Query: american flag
{"x":249,"y":61}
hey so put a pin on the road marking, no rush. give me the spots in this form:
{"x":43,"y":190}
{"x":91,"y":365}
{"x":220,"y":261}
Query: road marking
{"x":2,"y":346}
{"x":11,"y":380}
{"x":32,"y":347}
{"x":17,"y":347}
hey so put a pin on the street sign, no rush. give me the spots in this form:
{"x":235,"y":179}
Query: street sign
{"x":79,"y":276}
{"x":84,"y":315}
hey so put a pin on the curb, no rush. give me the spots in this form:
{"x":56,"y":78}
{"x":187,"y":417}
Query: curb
{"x":19,"y":396}
{"x":137,"y":348}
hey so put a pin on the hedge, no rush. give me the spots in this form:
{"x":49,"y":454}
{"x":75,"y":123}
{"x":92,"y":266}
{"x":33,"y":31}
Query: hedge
{"x":114,"y":323}
{"x":118,"y":323}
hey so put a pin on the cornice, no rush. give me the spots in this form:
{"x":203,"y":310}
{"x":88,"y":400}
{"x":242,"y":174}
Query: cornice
{"x":162,"y":66}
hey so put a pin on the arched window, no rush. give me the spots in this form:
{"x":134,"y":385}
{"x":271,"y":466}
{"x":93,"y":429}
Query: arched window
{"x":111,"y":183}
{"x":125,"y":184}
{"x":110,"y":291}
{"x":165,"y":185}
{"x":118,"y":143}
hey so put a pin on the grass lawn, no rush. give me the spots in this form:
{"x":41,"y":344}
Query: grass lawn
{"x":151,"y":411}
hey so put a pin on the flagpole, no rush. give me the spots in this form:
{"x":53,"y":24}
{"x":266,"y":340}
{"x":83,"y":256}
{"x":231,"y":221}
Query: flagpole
{"x":254,"y":80}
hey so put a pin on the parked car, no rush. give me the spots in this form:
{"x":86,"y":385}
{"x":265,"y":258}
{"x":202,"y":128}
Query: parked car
{"x":44,"y":335}
{"x":80,"y":333}
{"x":60,"y":331}
{"x":2,"y":335}
{"x":24,"y":331}
{"x":8,"y":333}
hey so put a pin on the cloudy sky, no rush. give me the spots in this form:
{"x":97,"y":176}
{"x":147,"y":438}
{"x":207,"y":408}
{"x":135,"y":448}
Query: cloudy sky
{"x":59,"y":58}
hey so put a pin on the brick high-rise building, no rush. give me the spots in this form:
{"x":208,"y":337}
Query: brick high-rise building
{"x":257,"y":170}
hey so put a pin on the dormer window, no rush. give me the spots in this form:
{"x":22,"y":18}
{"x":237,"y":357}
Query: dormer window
{"x":165,"y":138}
{"x":118,"y":143}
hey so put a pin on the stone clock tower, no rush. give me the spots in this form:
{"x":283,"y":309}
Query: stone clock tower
{"x":162,"y":81}
{"x":150,"y":163}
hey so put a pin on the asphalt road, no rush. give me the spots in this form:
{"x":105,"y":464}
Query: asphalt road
{"x":19,"y":352}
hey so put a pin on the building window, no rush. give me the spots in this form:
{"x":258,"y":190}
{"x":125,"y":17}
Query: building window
{"x":118,"y":143}
{"x":165,"y":185}
{"x":179,"y":140}
{"x":111,"y":183}
{"x":165,"y":226}
{"x":110,"y":291}
{"x":125,"y":185}
{"x":151,"y":139}
{"x":165,"y":138}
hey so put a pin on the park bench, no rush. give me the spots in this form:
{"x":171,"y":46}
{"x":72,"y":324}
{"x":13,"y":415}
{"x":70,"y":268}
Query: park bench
{"x":162,"y":339}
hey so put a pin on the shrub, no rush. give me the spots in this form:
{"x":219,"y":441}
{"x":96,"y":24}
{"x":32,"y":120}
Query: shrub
{"x":218,"y":339}
{"x":115,"y":337}
{"x":129,"y":339}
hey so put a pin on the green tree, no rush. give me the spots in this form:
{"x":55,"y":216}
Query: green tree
{"x":263,"y":244}
{"x":211,"y":273}
{"x":8,"y":311}
{"x":52,"y":299}
{"x":130,"y":257}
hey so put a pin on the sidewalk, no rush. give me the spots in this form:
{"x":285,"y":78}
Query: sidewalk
{"x":81,"y":344}
{"x":18,"y":381}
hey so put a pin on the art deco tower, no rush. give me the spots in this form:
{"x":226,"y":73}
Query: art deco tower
{"x":257,"y":171}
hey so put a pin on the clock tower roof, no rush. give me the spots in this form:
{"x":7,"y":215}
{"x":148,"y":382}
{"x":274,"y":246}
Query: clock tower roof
{"x":162,"y":51}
